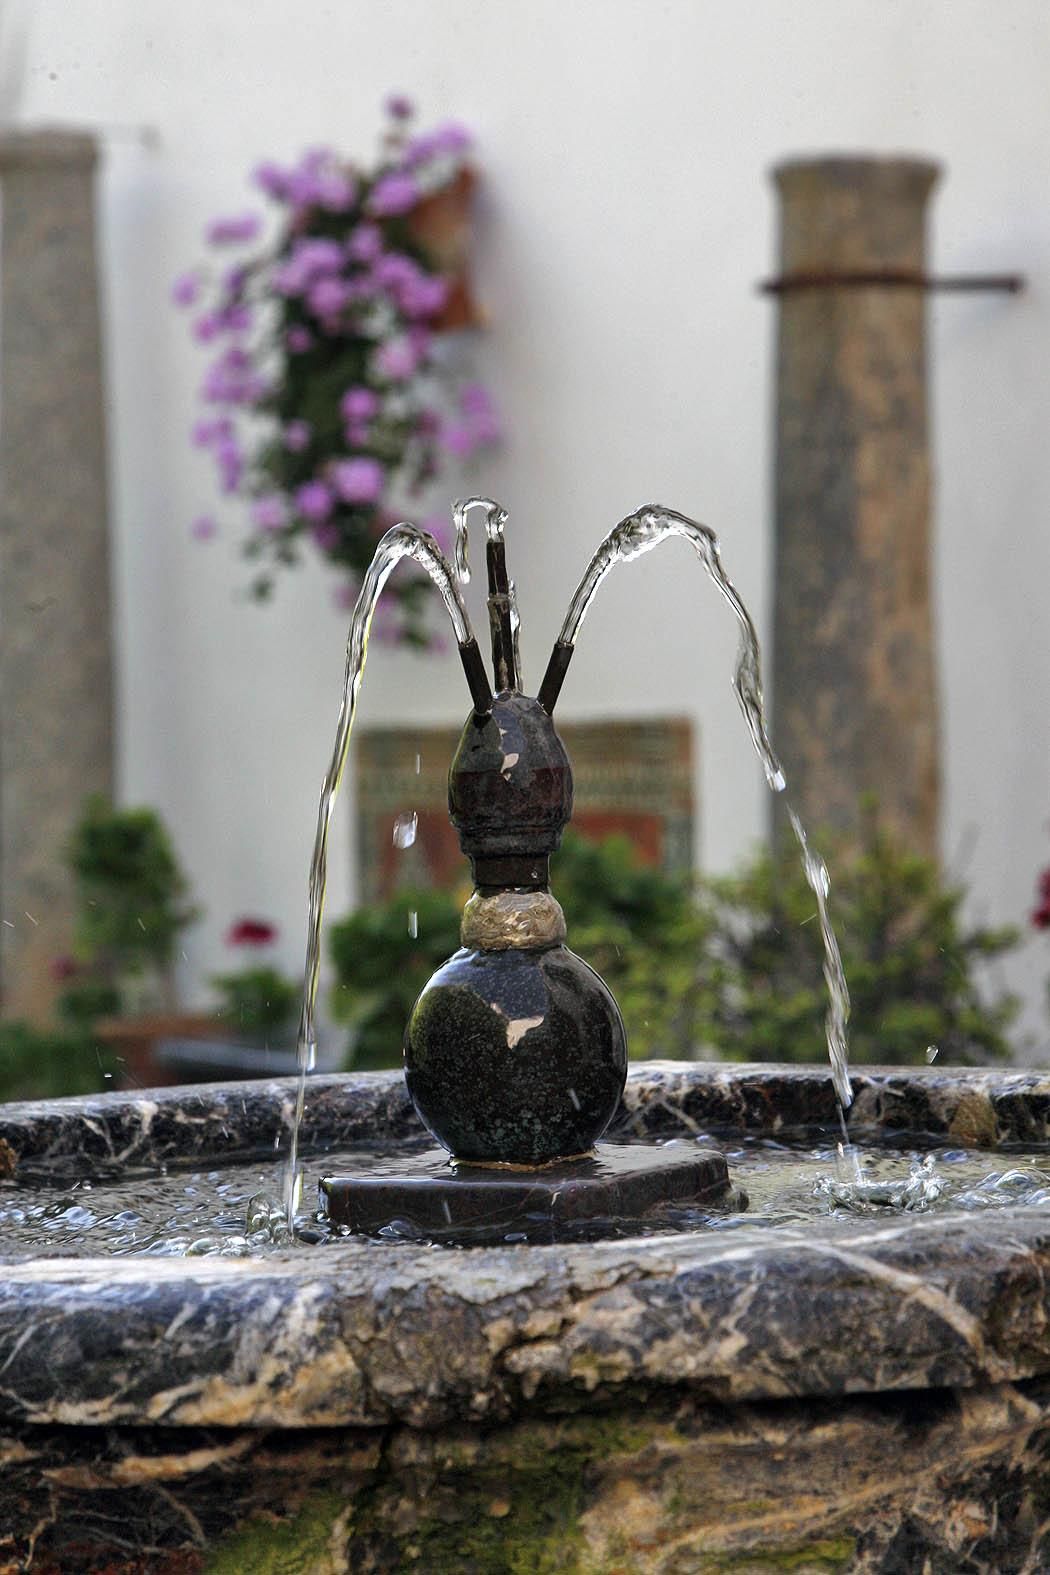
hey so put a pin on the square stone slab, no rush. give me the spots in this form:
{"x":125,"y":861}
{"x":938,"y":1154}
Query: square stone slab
{"x":448,"y":1198}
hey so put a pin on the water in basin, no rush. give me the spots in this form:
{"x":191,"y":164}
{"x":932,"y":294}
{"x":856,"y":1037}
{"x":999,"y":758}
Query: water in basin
{"x":236,"y":1210}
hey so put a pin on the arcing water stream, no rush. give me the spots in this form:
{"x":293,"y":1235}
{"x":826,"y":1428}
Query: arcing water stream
{"x":641,"y":532}
{"x":401,"y":541}
{"x":637,"y":534}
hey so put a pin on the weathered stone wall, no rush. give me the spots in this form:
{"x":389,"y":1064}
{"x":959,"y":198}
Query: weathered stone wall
{"x":854,"y":681}
{"x":938,"y":1482}
{"x":55,"y":683}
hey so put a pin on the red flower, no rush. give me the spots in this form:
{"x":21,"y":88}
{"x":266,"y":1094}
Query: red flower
{"x":63,"y":968}
{"x":251,"y":932}
{"x":1041,"y":915}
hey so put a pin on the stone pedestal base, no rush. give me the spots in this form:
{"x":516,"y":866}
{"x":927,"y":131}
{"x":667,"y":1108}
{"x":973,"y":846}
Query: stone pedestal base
{"x":449,"y":1199}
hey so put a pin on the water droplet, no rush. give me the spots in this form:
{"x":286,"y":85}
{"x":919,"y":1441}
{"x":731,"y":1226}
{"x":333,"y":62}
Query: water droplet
{"x":413,"y":923}
{"x":574,"y":1096}
{"x":932,"y":1052}
{"x":405,"y":829}
{"x":419,"y":764}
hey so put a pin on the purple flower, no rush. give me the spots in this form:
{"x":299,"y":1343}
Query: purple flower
{"x":204,"y":528}
{"x":230,"y":461}
{"x":231,"y":231}
{"x":234,"y":279}
{"x":296,"y":436}
{"x":399,"y":106}
{"x":271,"y":178}
{"x":268,"y":513}
{"x":392,"y":194}
{"x":327,"y":298}
{"x":425,"y":296}
{"x":359,"y":404}
{"x":310,"y":258}
{"x":480,"y":424}
{"x":359,"y":480}
{"x":185,"y":289}
{"x":453,"y":137}
{"x":207,"y":328}
{"x":397,"y":359}
{"x":204,"y":433}
{"x":365,"y":244}
{"x":318,"y":179}
{"x":335,"y":191}
{"x":232,"y":379}
{"x":459,"y":439}
{"x":446,"y":141}
{"x":314,"y":501}
{"x":326,"y":535}
{"x":299,"y":339}
{"x":395,"y":271}
{"x":475,"y":399}
{"x":236,"y":318}
{"x":428,"y":422}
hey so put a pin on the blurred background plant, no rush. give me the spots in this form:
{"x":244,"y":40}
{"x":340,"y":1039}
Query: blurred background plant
{"x":730,"y":968}
{"x":637,"y":925}
{"x":915,"y":967}
{"x":258,"y":1001}
{"x":131,"y":906}
{"x":329,"y":334}
{"x":38,"y":1063}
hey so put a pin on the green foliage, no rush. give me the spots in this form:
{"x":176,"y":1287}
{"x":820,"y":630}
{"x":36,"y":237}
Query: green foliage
{"x":381,"y":967}
{"x":257,"y":1000}
{"x":130,"y":907}
{"x":643,"y":931}
{"x":129,"y":887}
{"x":46,"y":1065}
{"x":639,"y":927}
{"x":911,"y":961}
{"x":733,"y":968}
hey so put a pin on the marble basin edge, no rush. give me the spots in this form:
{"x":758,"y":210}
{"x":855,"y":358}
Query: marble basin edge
{"x":363,"y":1333}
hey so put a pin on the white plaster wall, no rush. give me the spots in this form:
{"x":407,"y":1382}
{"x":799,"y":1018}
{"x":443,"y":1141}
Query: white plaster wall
{"x":627,"y":218}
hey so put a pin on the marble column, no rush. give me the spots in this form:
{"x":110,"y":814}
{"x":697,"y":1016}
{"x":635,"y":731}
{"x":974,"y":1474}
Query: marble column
{"x":55,"y":665}
{"x":854,"y":672}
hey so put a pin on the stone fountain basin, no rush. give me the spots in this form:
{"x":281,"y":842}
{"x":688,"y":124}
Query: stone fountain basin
{"x":858,"y":1394}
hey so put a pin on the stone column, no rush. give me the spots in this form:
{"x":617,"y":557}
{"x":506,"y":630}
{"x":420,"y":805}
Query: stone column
{"x":55,"y":668}
{"x":854,"y":676}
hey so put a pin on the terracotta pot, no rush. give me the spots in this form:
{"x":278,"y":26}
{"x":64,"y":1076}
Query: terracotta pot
{"x":442,"y":225}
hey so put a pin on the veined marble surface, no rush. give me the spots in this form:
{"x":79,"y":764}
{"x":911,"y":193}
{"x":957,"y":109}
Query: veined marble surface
{"x":859,"y":1394}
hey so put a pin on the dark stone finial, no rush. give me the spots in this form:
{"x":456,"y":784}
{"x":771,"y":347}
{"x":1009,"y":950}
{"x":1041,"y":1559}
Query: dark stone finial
{"x":510,"y":793}
{"x":515,"y":1051}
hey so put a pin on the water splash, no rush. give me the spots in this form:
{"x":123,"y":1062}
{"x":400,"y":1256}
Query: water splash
{"x":914,"y":1193}
{"x":640,"y":533}
{"x":400,"y":541}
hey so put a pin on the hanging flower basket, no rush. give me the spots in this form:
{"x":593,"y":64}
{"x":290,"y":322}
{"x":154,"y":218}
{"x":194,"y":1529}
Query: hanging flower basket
{"x":329,"y":406}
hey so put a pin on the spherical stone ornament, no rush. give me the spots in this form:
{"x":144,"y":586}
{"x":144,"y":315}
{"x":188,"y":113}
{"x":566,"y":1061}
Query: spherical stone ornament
{"x":516,"y":1056}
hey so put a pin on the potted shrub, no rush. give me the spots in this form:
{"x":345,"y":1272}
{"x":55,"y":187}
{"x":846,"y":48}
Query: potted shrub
{"x":131,"y":907}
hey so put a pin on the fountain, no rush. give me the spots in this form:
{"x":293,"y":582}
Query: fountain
{"x":644,"y":1325}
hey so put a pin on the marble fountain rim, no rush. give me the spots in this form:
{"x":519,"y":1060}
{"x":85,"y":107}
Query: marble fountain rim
{"x":366,"y":1334}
